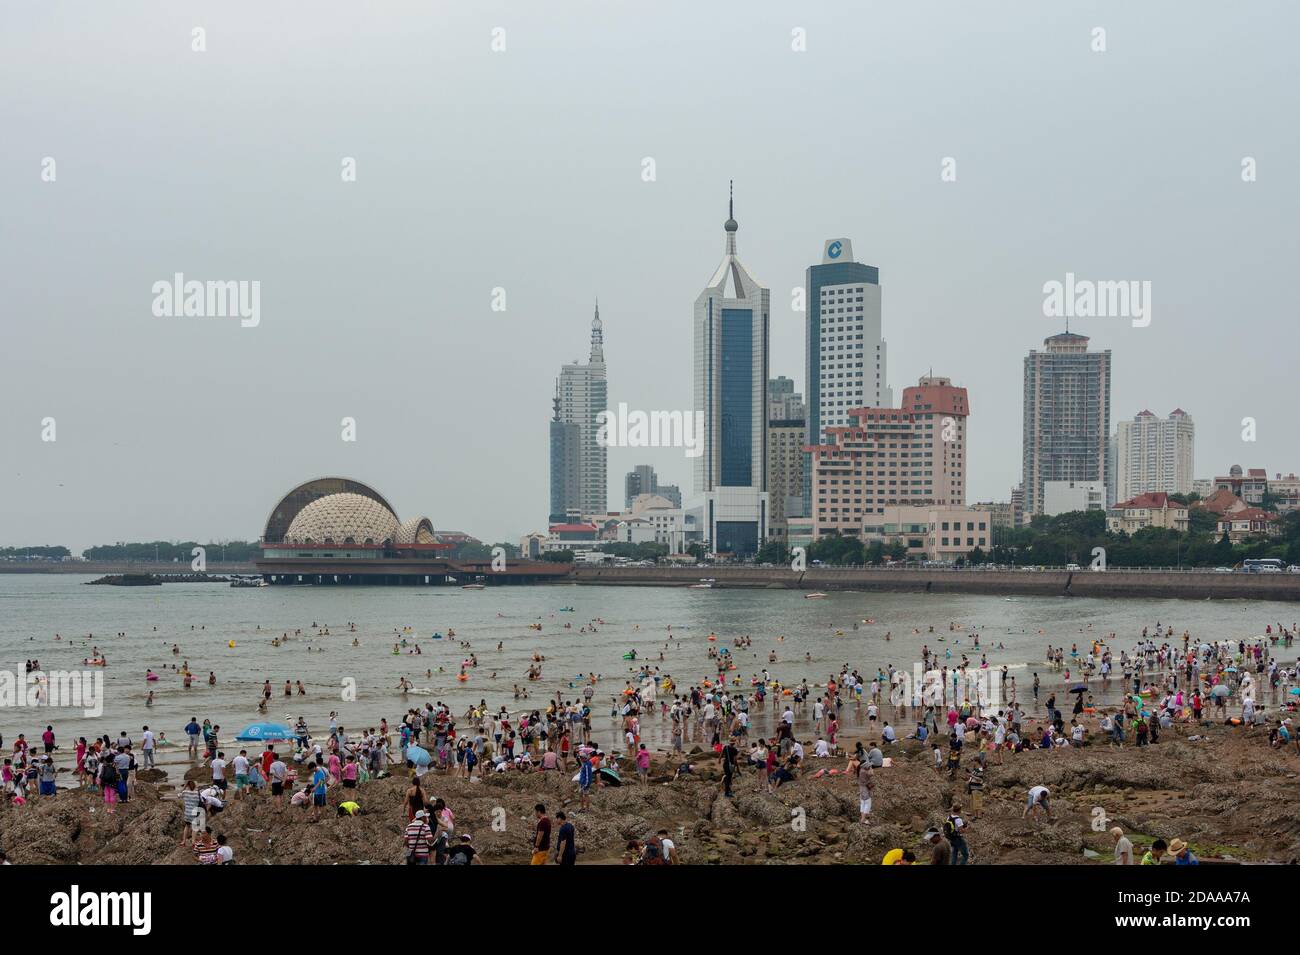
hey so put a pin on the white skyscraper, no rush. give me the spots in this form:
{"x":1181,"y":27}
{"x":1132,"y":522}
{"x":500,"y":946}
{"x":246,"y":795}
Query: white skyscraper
{"x":731,"y":335}
{"x":845,"y":351}
{"x":579,"y":481}
{"x":1154,"y":454}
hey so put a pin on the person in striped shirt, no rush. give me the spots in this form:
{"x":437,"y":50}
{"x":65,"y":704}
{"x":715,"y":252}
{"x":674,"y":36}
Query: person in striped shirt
{"x":191,"y":812}
{"x":419,"y":839}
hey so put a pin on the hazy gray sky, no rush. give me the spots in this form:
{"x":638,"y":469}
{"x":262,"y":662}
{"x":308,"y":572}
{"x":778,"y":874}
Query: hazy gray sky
{"x":522,"y":169}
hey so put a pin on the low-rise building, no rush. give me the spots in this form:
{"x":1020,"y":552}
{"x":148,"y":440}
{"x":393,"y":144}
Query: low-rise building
{"x":1221,"y":502}
{"x":1248,"y":522}
{"x":530,"y":545}
{"x":1001,"y":513}
{"x":1062,"y":497}
{"x":933,"y":533}
{"x":1147,"y":510}
{"x":1250,"y":485}
{"x":1285,"y":492}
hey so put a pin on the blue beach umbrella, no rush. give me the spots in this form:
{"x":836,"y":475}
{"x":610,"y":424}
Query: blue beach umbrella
{"x":417,"y":755}
{"x":259,"y":732}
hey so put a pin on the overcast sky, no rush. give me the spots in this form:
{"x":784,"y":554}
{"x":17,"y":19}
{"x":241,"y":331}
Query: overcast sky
{"x":522,"y":169}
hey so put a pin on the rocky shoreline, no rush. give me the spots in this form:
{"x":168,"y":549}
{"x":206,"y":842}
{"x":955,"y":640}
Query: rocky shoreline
{"x":1228,"y":794}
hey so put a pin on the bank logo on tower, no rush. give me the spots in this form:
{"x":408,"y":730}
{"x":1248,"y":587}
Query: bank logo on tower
{"x":836,"y":250}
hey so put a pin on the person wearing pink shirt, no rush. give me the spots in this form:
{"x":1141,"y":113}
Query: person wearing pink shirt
{"x":643,"y":764}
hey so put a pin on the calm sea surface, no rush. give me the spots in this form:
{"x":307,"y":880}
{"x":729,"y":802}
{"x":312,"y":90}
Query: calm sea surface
{"x":202,"y":619}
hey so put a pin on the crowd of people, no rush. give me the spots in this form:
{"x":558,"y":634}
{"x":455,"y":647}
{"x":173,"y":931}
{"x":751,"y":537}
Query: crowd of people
{"x":967,"y":712}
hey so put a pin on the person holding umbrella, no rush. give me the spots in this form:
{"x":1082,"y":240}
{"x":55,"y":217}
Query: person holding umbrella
{"x":418,"y":758}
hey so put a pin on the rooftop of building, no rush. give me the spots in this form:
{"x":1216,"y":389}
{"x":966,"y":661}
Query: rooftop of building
{"x":1155,"y":500}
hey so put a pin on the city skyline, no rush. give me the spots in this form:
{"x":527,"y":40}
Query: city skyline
{"x":182,"y":428}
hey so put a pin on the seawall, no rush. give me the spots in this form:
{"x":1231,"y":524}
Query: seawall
{"x":1186,"y":584}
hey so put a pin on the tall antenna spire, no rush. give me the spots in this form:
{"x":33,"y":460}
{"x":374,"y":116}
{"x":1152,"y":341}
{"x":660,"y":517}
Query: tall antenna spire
{"x":597,"y":337}
{"x":730,"y":224}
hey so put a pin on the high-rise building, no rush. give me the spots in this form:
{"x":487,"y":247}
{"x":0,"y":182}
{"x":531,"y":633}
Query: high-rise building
{"x":1154,"y":454}
{"x":783,"y":402}
{"x":909,"y":456}
{"x":943,"y":407}
{"x":1066,"y":416}
{"x":845,"y":353}
{"x":581,"y":394}
{"x":785,"y":456}
{"x":566,"y":437}
{"x":642,"y":479}
{"x":731,"y":367}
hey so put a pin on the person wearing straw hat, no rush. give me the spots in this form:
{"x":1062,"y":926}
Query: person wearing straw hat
{"x":1182,"y":853}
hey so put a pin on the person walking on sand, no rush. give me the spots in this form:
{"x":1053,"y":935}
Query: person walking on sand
{"x":541,"y":836}
{"x":586,"y":777}
{"x":319,"y":784}
{"x":191,"y":812}
{"x":954,"y":828}
{"x":419,"y":839}
{"x":147,"y":746}
{"x":1123,"y":847}
{"x":866,"y":790}
{"x":728,"y":767}
{"x":566,"y":850}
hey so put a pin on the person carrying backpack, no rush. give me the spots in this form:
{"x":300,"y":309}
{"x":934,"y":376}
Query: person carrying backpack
{"x":108,"y":783}
{"x":954,"y":830}
{"x":653,"y":853}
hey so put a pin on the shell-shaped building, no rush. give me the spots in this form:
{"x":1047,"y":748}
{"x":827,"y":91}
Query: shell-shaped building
{"x":416,"y":530}
{"x":344,"y":518}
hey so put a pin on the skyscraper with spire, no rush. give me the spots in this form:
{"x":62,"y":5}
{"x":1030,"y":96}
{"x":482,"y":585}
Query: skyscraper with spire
{"x":731,"y":373}
{"x":579,"y":470}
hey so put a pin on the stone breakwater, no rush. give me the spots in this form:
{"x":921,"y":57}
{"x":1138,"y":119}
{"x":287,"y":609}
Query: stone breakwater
{"x":1177,"y":788}
{"x":1189,"y":585}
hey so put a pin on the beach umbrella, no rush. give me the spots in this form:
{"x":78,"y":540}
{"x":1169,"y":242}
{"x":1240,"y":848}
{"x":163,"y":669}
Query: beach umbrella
{"x":417,"y":755}
{"x":610,"y":776}
{"x":1230,"y":670}
{"x":265,"y":732}
{"x":1220,"y":690}
{"x":1079,"y":688}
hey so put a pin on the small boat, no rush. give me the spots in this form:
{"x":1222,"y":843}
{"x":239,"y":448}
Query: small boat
{"x":473,"y":587}
{"x":706,"y":583}
{"x":816,"y":596}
